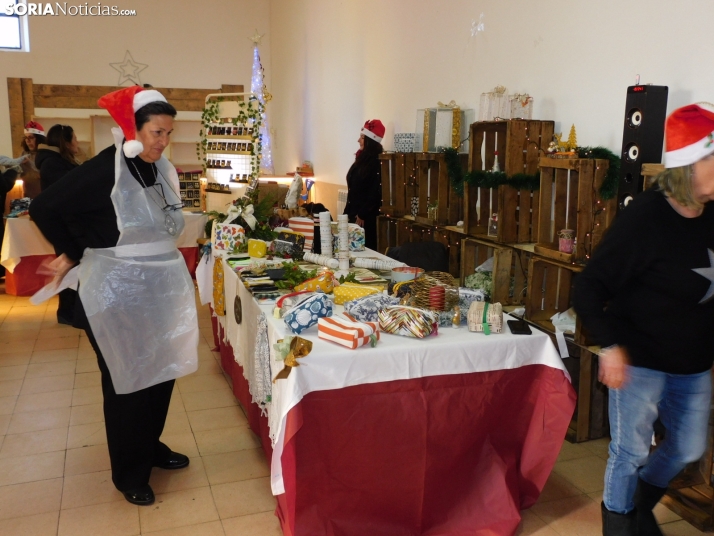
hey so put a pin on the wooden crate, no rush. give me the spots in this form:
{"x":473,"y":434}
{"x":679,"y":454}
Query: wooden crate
{"x":518,"y":143}
{"x":422,"y":232}
{"x":691,"y":494}
{"x":510,"y":268}
{"x":569,"y":199}
{"x":590,"y":418}
{"x":452,"y":239}
{"x":649,"y":172}
{"x":404,"y":231}
{"x":550,"y":285}
{"x":433,"y":182}
{"x":386,"y":233}
{"x":398,"y":183}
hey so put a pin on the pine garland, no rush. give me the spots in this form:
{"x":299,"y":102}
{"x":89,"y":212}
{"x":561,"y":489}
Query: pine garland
{"x":485,"y":179}
{"x":608,"y":188}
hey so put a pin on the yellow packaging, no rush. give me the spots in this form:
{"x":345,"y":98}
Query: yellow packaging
{"x":257,"y":248}
{"x":351,"y":291}
{"x":324,"y":282}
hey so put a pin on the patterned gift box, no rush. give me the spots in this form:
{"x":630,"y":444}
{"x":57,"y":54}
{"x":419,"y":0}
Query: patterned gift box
{"x":494,"y":105}
{"x":404,"y":142}
{"x":307,"y":313}
{"x":347,"y":331}
{"x":304,"y":226}
{"x":227,"y":236}
{"x":366,"y":309}
{"x":467,"y":296}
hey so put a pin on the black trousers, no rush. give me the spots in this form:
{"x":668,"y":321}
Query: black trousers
{"x":134,"y":424}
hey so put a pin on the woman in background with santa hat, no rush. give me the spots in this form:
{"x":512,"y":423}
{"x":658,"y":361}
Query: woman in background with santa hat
{"x":34,"y":136}
{"x":119,"y":216}
{"x":364,"y":182}
{"x":646,"y":297}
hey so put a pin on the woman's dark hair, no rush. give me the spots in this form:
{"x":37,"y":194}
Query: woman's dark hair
{"x":38,"y":140}
{"x":143,"y":114}
{"x":60,"y":136}
{"x":372,"y":149}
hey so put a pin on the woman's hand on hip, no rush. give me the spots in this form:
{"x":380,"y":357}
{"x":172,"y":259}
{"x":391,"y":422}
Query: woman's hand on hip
{"x":359,"y":221}
{"x":613,"y":367}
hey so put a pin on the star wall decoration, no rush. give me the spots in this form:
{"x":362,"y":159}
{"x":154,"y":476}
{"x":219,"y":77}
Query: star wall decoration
{"x":709,"y":274}
{"x":129,"y":70}
{"x":256,"y":37}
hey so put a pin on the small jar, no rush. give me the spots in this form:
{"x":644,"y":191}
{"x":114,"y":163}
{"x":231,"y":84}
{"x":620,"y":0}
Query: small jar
{"x":566,"y":240}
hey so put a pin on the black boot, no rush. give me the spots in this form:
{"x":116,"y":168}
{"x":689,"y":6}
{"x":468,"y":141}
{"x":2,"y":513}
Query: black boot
{"x":646,"y":498}
{"x":618,"y":524}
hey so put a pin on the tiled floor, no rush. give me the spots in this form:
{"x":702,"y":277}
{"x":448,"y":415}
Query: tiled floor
{"x":54,"y":465}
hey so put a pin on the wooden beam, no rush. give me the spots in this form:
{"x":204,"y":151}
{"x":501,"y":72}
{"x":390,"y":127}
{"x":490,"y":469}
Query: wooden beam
{"x":14,"y":97}
{"x":28,"y":105}
{"x":85,"y":97}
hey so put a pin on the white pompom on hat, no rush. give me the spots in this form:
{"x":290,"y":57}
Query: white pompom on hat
{"x":689,"y":135}
{"x":121,"y":105}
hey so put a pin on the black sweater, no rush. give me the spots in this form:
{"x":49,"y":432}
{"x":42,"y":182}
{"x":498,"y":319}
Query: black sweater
{"x":77,"y":211}
{"x":640,"y":290}
{"x":52,"y":166}
{"x":364,"y":189}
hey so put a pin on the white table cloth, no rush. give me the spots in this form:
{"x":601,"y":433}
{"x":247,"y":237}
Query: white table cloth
{"x":331,"y":366}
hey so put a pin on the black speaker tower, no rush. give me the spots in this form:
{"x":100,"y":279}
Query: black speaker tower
{"x":642,"y":137}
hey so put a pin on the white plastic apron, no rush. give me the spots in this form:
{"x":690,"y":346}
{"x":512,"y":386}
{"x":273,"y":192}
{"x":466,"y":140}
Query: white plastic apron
{"x":138,"y":296}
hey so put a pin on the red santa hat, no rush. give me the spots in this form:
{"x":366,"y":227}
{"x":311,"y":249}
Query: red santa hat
{"x":33,"y":127}
{"x":373,"y":128}
{"x":690,"y":136}
{"x":122,"y":105}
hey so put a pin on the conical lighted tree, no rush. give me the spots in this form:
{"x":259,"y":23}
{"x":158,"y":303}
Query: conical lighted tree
{"x":257,"y":87}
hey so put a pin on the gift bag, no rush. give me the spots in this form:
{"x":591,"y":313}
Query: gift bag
{"x":307,"y":313}
{"x":305,"y":227}
{"x":408,"y":321}
{"x":486,"y":317}
{"x":347,"y":332}
{"x":366,"y":309}
{"x":227,"y":236}
{"x":350,"y":291}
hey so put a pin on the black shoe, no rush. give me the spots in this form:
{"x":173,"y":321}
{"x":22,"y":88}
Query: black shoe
{"x":646,"y":498}
{"x":614,"y":524}
{"x":174,"y":461}
{"x":64,"y":320}
{"x":143,"y":496}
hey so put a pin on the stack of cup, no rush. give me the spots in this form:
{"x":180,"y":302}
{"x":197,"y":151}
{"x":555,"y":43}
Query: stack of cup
{"x":325,"y":234}
{"x":343,"y":251}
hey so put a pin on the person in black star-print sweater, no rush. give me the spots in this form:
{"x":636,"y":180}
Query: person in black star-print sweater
{"x":647,"y":297}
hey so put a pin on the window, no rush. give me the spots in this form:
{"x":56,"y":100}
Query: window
{"x":13,"y":28}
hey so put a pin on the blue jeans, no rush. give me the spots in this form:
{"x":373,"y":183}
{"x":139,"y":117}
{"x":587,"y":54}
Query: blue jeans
{"x":682,"y":403}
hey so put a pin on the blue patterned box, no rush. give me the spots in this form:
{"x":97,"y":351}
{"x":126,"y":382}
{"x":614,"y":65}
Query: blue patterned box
{"x":307,"y":313}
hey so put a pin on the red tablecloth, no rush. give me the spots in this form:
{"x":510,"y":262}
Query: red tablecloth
{"x":448,"y":455}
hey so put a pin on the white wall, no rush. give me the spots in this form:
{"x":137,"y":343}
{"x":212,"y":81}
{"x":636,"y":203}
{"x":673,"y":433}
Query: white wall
{"x":186,"y":45}
{"x":337,"y":63}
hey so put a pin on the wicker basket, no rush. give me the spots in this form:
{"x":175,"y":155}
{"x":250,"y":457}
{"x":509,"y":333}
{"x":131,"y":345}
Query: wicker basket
{"x":420,"y":290}
{"x":493,"y":317}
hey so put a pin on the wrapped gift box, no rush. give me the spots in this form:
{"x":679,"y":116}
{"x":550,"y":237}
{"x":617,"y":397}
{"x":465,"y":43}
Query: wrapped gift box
{"x":442,"y":127}
{"x":404,"y":142}
{"x":494,"y":105}
{"x":521,"y":106}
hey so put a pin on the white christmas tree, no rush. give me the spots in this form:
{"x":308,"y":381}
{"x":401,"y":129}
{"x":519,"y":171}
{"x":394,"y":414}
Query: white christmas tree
{"x":257,"y":87}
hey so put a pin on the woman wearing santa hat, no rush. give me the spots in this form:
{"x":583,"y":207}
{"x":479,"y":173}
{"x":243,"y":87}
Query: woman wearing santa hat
{"x":34,"y":136}
{"x":646,"y":297}
{"x":119,"y":216}
{"x":364,"y":182}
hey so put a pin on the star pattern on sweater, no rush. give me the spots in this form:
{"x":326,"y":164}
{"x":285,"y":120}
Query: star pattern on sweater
{"x":709,"y":274}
